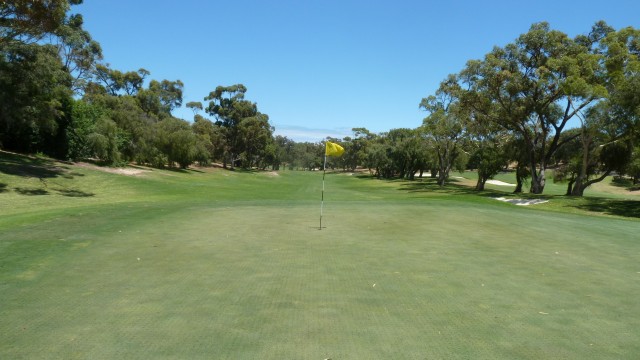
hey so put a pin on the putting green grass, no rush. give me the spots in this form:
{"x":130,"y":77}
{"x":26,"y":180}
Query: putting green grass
{"x":231,"y":265}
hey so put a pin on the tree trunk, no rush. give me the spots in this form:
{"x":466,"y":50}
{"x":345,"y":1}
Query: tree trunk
{"x":480,"y":184}
{"x":581,"y":184}
{"x":434,"y":172}
{"x":537,"y":182}
{"x":518,"y":188}
{"x":570,"y":187}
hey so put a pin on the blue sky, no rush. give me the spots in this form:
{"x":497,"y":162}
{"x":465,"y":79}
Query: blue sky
{"x":321,"y":68}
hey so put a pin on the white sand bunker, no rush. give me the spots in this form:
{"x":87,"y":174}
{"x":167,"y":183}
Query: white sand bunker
{"x":523,"y":202}
{"x":498,"y":182}
{"x":122,"y":171}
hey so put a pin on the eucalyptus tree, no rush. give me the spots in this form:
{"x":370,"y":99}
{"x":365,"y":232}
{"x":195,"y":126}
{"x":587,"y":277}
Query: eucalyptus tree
{"x":534,"y":87}
{"x":489,"y":152}
{"x":356,"y":153}
{"x":378,"y":157}
{"x":29,"y":21}
{"x":597,"y":150}
{"x":195,"y":106}
{"x":633,"y":168}
{"x":446,"y":126}
{"x":35,"y":99}
{"x":283,"y":151}
{"x":177,"y":141}
{"x":161,"y":97}
{"x":609,"y":128}
{"x":622,"y":62}
{"x":116,"y":82}
{"x":210,"y":135}
{"x":255,"y":137}
{"x":79,"y":52}
{"x":229,"y":107}
{"x":519,"y":160}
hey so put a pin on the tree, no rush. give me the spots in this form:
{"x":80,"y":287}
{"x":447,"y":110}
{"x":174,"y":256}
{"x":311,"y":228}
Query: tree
{"x":228,"y":106}
{"x":255,"y":136}
{"x":195,"y":106}
{"x":28,"y":21}
{"x":211,"y":137}
{"x":633,"y":168}
{"x":79,"y":52}
{"x":446,"y":126}
{"x":177,"y":141}
{"x":35,"y":99}
{"x":489,"y":154}
{"x":283,"y":152}
{"x":84,"y":117}
{"x":116,"y":82}
{"x":517,"y":155}
{"x":608,"y":129}
{"x":533,"y":87}
{"x":161,"y":97}
{"x":106,"y":140}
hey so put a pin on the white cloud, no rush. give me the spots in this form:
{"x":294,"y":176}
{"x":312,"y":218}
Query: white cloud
{"x":304,"y":134}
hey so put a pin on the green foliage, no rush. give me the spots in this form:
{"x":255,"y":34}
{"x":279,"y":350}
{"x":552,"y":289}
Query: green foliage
{"x":106,"y":141}
{"x":84,"y":116}
{"x":246,"y":131}
{"x":35,"y":96}
{"x":29,"y":21}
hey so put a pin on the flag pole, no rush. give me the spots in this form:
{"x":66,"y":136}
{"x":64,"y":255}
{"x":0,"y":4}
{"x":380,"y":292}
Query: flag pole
{"x":324,"y":170}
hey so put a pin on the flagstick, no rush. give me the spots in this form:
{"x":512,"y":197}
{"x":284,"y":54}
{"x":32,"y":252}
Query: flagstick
{"x":324,"y":170}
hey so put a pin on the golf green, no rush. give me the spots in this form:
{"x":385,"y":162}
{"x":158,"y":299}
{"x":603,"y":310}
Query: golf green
{"x":232,"y":265}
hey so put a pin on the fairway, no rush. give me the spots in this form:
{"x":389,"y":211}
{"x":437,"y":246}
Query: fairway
{"x":212,"y":264}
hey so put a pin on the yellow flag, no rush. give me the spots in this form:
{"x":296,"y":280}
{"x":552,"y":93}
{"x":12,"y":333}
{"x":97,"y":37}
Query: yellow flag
{"x":333,"y":149}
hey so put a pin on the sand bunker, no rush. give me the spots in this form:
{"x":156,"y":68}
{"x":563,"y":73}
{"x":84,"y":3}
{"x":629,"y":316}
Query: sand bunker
{"x":500,"y":183}
{"x":523,"y":202}
{"x":121,"y":171}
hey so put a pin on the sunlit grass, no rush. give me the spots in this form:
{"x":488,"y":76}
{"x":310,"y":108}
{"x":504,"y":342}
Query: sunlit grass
{"x":232,"y":265}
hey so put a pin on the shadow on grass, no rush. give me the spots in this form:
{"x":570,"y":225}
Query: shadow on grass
{"x":31,"y":192}
{"x":40,"y":168}
{"x":626,"y":208}
{"x":452,"y":187}
{"x":617,"y":207}
{"x":29,"y":167}
{"x":625,"y":183}
{"x":183,"y":171}
{"x":74,"y":193}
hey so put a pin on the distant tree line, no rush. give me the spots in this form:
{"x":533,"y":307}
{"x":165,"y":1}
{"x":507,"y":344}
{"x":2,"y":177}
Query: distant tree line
{"x":513,"y":108}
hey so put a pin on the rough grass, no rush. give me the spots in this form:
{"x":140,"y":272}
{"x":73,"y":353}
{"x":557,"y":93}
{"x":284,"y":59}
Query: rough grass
{"x":231,"y":265}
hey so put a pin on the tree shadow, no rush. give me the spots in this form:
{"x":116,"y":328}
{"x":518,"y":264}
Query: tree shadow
{"x":28,"y":166}
{"x":625,"y":183}
{"x":452,"y":187}
{"x":74,"y":193}
{"x":43,"y":169}
{"x":31,"y":192}
{"x":626,"y":208}
{"x":177,"y":170}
